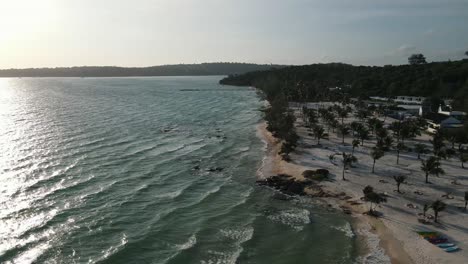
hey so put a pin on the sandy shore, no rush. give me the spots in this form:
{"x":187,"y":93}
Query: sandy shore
{"x":395,"y":231}
{"x":273,"y":164}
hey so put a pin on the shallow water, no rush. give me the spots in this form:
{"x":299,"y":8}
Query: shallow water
{"x":105,"y":171}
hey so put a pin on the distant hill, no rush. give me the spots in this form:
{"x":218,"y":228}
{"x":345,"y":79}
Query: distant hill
{"x":223,"y":68}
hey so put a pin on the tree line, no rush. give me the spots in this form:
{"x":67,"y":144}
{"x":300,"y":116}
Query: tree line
{"x":436,"y":80}
{"x":221,"y":68}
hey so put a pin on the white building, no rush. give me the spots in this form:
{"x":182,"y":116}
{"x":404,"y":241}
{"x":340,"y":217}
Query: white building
{"x":412,"y":109}
{"x":407,"y":100}
{"x":414,"y":100}
{"x":448,"y":112}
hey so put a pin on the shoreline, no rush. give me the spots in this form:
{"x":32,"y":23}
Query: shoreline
{"x":273,"y":164}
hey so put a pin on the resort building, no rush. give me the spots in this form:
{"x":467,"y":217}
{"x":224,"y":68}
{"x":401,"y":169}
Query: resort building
{"x":411,"y":100}
{"x":407,"y":100}
{"x":447,"y":111}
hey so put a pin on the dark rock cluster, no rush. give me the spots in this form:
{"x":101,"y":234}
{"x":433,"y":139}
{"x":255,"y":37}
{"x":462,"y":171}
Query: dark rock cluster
{"x":286,"y":184}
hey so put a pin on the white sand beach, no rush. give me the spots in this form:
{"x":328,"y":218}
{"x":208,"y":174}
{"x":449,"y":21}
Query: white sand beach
{"x":397,"y":226}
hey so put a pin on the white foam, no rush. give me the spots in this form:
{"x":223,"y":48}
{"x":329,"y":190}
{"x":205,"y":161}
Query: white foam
{"x":295,"y":218}
{"x":112,"y":250}
{"x":346,"y":229}
{"x":30,"y":255}
{"x":376,"y":254}
{"x":240,"y":235}
{"x":223,"y":257}
{"x":188,"y":244}
{"x":170,"y":195}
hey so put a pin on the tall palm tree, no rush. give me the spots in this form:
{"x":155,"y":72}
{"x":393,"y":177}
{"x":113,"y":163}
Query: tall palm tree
{"x":347,"y":160}
{"x":425,"y":209}
{"x":344,"y":130}
{"x":438,"y":143}
{"x":342,"y":113}
{"x":363,"y":134}
{"x":319,"y":133}
{"x":431,"y":166}
{"x":355,"y":127}
{"x":462,"y":158}
{"x":374,"y":124}
{"x":399,"y":180}
{"x":355,"y":143}
{"x":437,"y":206}
{"x":420,"y":149}
{"x":399,"y":147}
{"x":466,"y":199}
{"x":376,"y":154}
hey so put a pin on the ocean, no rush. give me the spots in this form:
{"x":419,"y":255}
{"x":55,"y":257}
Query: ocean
{"x":148,"y":170}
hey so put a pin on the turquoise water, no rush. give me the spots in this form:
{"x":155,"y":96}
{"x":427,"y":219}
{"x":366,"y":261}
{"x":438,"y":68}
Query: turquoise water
{"x":120,"y":170}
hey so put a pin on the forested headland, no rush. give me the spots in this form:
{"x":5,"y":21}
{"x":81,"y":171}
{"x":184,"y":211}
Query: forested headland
{"x":313,"y":82}
{"x":221,"y":68}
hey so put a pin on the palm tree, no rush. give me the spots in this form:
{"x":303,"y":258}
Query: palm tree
{"x":431,"y":166}
{"x":437,"y":206}
{"x":381,"y":133}
{"x":466,"y":199}
{"x":342,"y":113}
{"x":425,"y":209}
{"x":355,"y":143}
{"x":374,"y":124}
{"x":362,"y":114}
{"x":462,"y":158}
{"x":376,"y":154}
{"x":347,"y":160}
{"x":344,"y":130}
{"x":438,"y":143}
{"x":355,"y":127}
{"x":420,"y":149}
{"x":399,"y":180}
{"x":319,"y":133}
{"x":363,"y":134}
{"x":373,"y":198}
{"x":399,"y":147}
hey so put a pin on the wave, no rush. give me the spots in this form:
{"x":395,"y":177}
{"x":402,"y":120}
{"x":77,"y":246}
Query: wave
{"x":294,"y":218}
{"x":227,"y":257}
{"x":170,"y":195}
{"x":112,"y":250}
{"x":240,"y":235}
{"x":31,"y":255}
{"x":376,"y":253}
{"x":346,"y":229}
{"x":188,"y":244}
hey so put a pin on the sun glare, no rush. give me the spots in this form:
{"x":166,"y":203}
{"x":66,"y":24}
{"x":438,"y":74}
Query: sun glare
{"x":20,"y":17}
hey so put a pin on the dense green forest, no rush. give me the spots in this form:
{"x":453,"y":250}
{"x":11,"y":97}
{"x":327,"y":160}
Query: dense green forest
{"x":222,"y":68}
{"x":312,"y":82}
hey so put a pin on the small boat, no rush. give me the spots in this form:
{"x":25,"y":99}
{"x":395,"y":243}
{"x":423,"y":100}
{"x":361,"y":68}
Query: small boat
{"x":451,"y":249}
{"x":446,"y":245}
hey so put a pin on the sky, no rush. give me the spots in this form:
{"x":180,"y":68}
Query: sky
{"x":63,"y":33}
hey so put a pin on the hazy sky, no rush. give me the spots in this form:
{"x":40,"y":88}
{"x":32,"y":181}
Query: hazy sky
{"x":37,"y":33}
